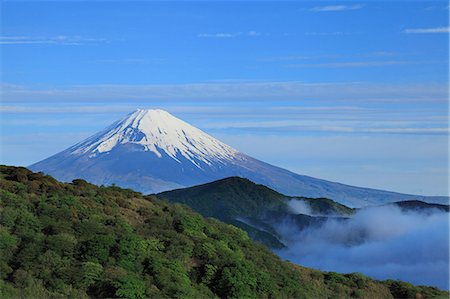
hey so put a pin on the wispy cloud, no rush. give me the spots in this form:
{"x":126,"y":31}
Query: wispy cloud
{"x":50,"y":40}
{"x":66,"y":109}
{"x":219,"y":35}
{"x":123,"y":60}
{"x":356,"y":64}
{"x":380,"y":54}
{"x":332,"y":33}
{"x":427,"y":30}
{"x":260,"y":120}
{"x":384,"y":234}
{"x":364,"y":125}
{"x":250,"y":33}
{"x":298,"y":57}
{"x":337,"y":7}
{"x":269,"y":91}
{"x":440,"y":7}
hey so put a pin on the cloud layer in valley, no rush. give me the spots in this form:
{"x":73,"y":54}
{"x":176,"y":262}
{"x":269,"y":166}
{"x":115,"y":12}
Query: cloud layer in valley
{"x":382,"y":242}
{"x":300,"y":207}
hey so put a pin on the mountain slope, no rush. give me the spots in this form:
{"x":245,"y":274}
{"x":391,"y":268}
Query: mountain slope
{"x":228,"y":198}
{"x":79,"y":240}
{"x":414,"y":205}
{"x":153,"y":151}
{"x":255,"y":208}
{"x":234,"y":197}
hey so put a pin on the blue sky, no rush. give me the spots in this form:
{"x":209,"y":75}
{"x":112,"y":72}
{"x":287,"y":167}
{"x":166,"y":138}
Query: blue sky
{"x":354,"y":92}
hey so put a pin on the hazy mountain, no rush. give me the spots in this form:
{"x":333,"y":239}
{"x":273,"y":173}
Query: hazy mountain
{"x":152,"y":151}
{"x":417,"y":205}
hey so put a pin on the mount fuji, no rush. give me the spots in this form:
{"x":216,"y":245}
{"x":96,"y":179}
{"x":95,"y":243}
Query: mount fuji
{"x":152,"y":151}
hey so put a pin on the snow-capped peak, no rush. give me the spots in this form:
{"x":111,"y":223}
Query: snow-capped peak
{"x":158,"y":131}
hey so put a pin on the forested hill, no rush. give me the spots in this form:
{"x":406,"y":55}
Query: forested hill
{"x":254,"y":208}
{"x":77,"y":240}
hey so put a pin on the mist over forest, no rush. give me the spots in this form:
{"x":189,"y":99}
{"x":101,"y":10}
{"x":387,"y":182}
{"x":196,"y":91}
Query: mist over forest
{"x":382,"y":242}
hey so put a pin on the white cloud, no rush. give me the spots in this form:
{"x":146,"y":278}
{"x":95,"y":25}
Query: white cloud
{"x":355,"y":64}
{"x":49,"y":40}
{"x":123,"y":60}
{"x":427,"y":30}
{"x":253,"y":33}
{"x":337,"y":7}
{"x":380,"y":54}
{"x":250,"y":33}
{"x":238,"y":91}
{"x":335,"y":33}
{"x":300,"y":57}
{"x":385,"y":242}
{"x":333,"y":123}
{"x":66,"y":109}
{"x":300,"y":207}
{"x":297,"y":57}
{"x":267,"y":120}
{"x":219,"y":35}
{"x":440,"y":7}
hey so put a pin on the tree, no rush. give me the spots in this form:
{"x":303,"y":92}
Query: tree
{"x":130,"y":287}
{"x":90,"y":273}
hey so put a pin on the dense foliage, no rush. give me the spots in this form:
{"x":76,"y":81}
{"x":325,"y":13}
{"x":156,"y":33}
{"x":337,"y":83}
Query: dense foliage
{"x":78,"y":240}
{"x":252,"y":207}
{"x":325,"y":206}
{"x":417,"y":205}
{"x":233,"y":197}
{"x":229,"y":198}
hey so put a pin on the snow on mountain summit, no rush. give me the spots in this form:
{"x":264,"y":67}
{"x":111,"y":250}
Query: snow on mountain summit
{"x":158,"y":132}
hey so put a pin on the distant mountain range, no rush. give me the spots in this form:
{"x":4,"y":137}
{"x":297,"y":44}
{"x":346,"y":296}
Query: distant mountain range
{"x":152,"y":151}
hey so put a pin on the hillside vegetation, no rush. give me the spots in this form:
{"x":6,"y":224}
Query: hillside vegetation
{"x":229,"y":198}
{"x":254,"y":208}
{"x":78,"y":240}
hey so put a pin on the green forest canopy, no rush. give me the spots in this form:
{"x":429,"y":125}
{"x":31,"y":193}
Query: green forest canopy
{"x":78,"y":240}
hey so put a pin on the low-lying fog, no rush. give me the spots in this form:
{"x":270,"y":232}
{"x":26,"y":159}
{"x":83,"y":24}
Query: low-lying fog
{"x":381,"y":242}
